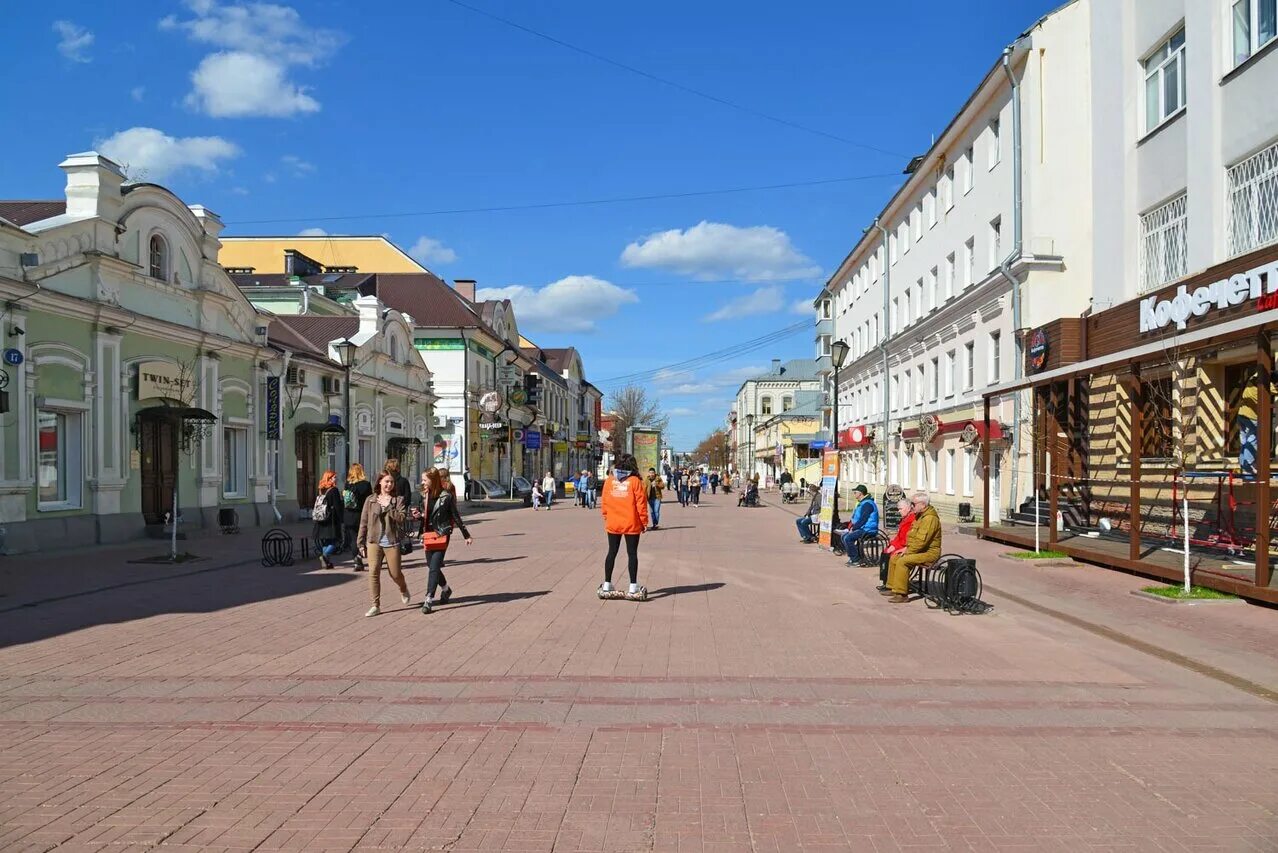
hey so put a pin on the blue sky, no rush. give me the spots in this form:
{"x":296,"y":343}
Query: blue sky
{"x":301,"y":113}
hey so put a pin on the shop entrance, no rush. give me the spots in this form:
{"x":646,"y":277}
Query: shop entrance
{"x":306,"y":443}
{"x":159,"y":465}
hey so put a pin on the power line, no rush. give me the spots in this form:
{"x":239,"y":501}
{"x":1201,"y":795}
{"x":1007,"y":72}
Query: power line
{"x":665,"y":81}
{"x":737,"y":349}
{"x":577,"y":203}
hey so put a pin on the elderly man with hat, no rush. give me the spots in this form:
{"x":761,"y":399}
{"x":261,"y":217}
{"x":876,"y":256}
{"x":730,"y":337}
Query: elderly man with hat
{"x":865,"y":522}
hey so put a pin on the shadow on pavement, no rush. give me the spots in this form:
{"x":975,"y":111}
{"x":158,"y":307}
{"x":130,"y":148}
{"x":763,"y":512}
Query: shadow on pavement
{"x":484,"y":560}
{"x":677,"y":527}
{"x":680,"y":590}
{"x":459,"y":601}
{"x":144,"y":591}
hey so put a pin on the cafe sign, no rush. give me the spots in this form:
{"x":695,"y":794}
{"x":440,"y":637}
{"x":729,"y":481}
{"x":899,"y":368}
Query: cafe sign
{"x":1258,"y":285}
{"x":164,"y":380}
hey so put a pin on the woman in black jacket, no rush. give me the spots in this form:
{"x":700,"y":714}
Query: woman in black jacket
{"x":326,"y":516}
{"x":357,"y":491}
{"x":440,"y":517}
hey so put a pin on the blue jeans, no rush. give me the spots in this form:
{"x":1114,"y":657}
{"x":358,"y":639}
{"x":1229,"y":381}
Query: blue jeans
{"x":804,"y":523}
{"x":683,"y":495}
{"x":654,"y":511}
{"x":329,"y":547}
{"x":852,"y":543}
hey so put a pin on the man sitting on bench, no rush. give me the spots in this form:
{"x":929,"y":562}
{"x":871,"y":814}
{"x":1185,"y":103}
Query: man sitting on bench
{"x":922,"y":548}
{"x":808,"y":522}
{"x":865,"y":522}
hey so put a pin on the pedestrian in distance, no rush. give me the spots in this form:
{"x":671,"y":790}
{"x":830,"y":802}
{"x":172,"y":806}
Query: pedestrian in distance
{"x":653,"y":492}
{"x":864,"y":522}
{"x":593,"y":489}
{"x":354,"y":495}
{"x":548,"y":486}
{"x":583,"y":489}
{"x":625,"y":514}
{"x":382,"y":525}
{"x":403,"y":489}
{"x":694,"y":488}
{"x":809,"y":523}
{"x":442,"y":518}
{"x":538,"y":496}
{"x":685,"y":486}
{"x":326,"y":518}
{"x":714,"y":482}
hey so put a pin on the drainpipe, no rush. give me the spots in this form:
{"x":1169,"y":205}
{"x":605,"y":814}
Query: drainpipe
{"x":1006,"y":267}
{"x":883,"y":345}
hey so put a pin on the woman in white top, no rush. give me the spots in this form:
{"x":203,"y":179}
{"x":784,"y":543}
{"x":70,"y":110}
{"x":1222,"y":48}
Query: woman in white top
{"x":548,"y":486}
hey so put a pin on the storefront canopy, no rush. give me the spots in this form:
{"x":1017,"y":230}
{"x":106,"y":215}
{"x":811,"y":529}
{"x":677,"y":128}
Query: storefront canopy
{"x":321,"y":427}
{"x":177,"y":413}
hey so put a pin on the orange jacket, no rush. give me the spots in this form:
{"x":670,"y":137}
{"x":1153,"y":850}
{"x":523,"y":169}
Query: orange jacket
{"x":624,"y":505}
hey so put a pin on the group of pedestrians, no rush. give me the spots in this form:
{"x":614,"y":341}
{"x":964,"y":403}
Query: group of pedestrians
{"x":689,"y":483}
{"x":379,"y":522}
{"x":917,"y":541}
{"x":586,"y":486}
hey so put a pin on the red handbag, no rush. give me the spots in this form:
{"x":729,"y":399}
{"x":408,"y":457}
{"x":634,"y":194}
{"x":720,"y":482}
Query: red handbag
{"x":432,"y":541}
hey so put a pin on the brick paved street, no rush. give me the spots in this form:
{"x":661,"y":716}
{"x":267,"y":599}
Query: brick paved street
{"x":766,"y":698}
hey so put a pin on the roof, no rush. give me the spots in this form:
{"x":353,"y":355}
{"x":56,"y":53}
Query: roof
{"x":424,"y":297}
{"x":373,"y":253}
{"x":26,"y":212}
{"x":281,"y":336}
{"x":314,"y":331}
{"x":796,"y":370}
{"x":333,"y":281}
{"x":559,"y":358}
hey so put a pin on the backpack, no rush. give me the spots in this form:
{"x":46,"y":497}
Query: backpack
{"x":348,"y":498}
{"x":319,"y":512}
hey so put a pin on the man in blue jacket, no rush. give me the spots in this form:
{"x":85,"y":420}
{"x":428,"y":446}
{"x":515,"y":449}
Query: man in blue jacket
{"x":865,"y":522}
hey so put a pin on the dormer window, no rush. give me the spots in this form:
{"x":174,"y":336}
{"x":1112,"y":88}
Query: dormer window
{"x":159,"y":258}
{"x":394,"y":349}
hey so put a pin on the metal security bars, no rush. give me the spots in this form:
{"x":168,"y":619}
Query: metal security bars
{"x":1252,"y":195}
{"x":1163,"y":249}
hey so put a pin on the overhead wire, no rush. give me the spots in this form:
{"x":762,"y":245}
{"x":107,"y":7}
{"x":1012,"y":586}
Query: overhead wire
{"x":735,"y":350}
{"x":674,"y":84}
{"x":505,"y":208}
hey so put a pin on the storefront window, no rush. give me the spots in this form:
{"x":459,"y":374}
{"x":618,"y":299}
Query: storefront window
{"x":58,"y":459}
{"x":1157,"y":440}
{"x":234,"y":462}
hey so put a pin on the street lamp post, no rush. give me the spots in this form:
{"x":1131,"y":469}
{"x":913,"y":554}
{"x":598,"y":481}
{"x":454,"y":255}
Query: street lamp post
{"x":838,"y":354}
{"x":346,"y":351}
{"x":750,"y":445}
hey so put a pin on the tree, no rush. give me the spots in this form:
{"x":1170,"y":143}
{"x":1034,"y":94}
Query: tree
{"x":631,"y":406}
{"x":712,"y":449}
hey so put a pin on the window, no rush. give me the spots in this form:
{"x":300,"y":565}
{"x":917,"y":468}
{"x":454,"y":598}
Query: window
{"x":969,"y":356}
{"x":892,"y":473}
{"x":892,"y":248}
{"x":1156,"y":419}
{"x":1255,"y":23}
{"x":905,"y":308}
{"x":918,"y":300}
{"x":968,"y":169}
{"x":916,"y":222}
{"x":896,"y":314}
{"x":825,"y":309}
{"x":996,"y":142}
{"x":996,"y":242}
{"x":950,"y":367}
{"x":933,"y":295}
{"x":969,"y":462}
{"x":932,"y":481}
{"x":969,"y":263}
{"x":929,"y":208}
{"x":787,"y":403}
{"x":1165,"y":81}
{"x":949,"y":471}
{"x":996,"y":371}
{"x":765,"y":406}
{"x":58,"y":459}
{"x":934,"y":387}
{"x":894,"y":387}
{"x":949,"y":276}
{"x":876,"y":327}
{"x":905,"y":468}
{"x":365,"y":454}
{"x":918,"y":387}
{"x":1164,"y":254}
{"x":948,"y":187}
{"x":234,"y":462}
{"x":1252,"y":188}
{"x":159,"y":258}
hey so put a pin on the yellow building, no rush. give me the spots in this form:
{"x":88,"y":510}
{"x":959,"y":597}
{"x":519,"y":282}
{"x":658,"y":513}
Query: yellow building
{"x":361,"y":254}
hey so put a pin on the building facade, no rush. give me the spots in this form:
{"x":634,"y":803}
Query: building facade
{"x":761,"y":398}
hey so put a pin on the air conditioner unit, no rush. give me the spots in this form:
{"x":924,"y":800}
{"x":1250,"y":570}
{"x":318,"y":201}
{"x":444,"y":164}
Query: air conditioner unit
{"x":331,"y":386}
{"x":442,"y":422}
{"x":295,"y":376}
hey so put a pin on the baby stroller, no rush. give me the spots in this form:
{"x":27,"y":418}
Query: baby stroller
{"x":789,"y":493}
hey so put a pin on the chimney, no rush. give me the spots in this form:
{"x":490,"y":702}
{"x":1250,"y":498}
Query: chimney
{"x":465,"y":288}
{"x":776,"y":365}
{"x":212,"y":225}
{"x":93,"y":186}
{"x":369,"y":309}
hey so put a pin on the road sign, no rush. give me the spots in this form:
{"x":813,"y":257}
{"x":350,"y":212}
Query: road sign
{"x":532,"y":439}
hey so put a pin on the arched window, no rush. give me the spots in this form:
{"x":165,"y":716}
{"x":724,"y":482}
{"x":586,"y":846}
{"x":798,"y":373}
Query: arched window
{"x":159,"y":258}
{"x":393,"y":348}
{"x":765,"y":406}
{"x":787,"y":403}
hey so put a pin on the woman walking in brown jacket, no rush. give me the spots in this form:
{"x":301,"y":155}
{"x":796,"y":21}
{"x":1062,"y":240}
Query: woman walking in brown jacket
{"x":381,"y":527}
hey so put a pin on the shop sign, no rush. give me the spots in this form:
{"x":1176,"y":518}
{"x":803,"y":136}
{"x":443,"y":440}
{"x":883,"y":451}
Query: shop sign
{"x":819,"y":445}
{"x":490,"y":401}
{"x":970,"y":435}
{"x":560,"y":447}
{"x":161,"y":379}
{"x":532,"y":439}
{"x":1156,"y":313}
{"x":929,"y":426}
{"x":491,"y":425}
{"x":1038,"y":349}
{"x":272,"y":408}
{"x":517,"y":396}
{"x":507,"y":374}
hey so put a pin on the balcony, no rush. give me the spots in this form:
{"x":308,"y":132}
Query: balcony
{"x":824,"y":327}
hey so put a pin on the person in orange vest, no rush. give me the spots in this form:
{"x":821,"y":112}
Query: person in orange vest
{"x":625,"y":514}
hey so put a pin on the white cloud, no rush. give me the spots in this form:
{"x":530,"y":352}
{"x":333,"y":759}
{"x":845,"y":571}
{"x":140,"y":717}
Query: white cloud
{"x":312,"y":232}
{"x":802,"y":306}
{"x":152,"y":155}
{"x":680,"y":383}
{"x":428,"y":250}
{"x":248,"y":75}
{"x":713,"y":250}
{"x":238,"y":84}
{"x":239,"y":191}
{"x":297,"y":165}
{"x":74,"y":41}
{"x":573,"y":304}
{"x":682,"y":412}
{"x":137,"y":93}
{"x":765,"y":300}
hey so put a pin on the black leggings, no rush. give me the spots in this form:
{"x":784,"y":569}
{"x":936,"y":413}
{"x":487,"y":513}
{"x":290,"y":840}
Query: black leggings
{"x":632,"y":554}
{"x":435,"y":560}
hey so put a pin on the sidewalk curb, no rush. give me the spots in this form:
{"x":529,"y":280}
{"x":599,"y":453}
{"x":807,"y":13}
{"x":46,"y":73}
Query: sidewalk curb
{"x":1184,"y":602}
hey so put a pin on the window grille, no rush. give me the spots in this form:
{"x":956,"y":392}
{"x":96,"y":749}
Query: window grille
{"x":1163,"y":253}
{"x":1252,"y":194}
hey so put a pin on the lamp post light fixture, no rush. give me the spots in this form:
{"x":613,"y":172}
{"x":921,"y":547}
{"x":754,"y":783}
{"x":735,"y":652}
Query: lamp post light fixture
{"x":750,"y":444}
{"x":838,"y":355}
{"x":346,"y":351}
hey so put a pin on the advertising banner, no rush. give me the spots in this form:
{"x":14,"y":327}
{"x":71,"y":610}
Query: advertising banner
{"x":272,"y":408}
{"x":829,"y":483}
{"x":646,"y":446}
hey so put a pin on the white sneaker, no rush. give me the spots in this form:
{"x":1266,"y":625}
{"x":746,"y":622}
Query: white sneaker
{"x":406,"y":598}
{"x":374,"y":611}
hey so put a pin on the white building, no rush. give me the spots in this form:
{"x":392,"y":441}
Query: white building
{"x":928,"y":299}
{"x":761,"y":397}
